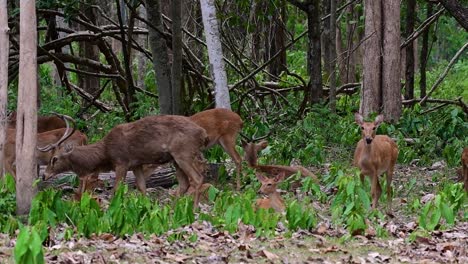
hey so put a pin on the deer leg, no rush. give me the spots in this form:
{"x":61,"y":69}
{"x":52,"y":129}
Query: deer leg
{"x":191,"y":169}
{"x":229,"y":145}
{"x":120,"y":173}
{"x":362,"y":176}
{"x":183,"y":181}
{"x":389,"y":174}
{"x":140,"y":179}
{"x":375,"y":190}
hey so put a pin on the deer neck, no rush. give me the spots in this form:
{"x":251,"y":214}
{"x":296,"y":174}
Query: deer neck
{"x":88,"y":158}
{"x":276,"y":201}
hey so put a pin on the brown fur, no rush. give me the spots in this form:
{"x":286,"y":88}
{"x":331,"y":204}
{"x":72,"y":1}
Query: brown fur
{"x":268,"y":187}
{"x":222,"y":126}
{"x":44,"y":123}
{"x":465,"y":168}
{"x":150,"y":140}
{"x":374,"y":155}
{"x":45,"y":138}
{"x":251,"y":155}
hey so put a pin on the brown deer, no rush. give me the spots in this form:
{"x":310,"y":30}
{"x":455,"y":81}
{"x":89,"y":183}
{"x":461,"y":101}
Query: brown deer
{"x":465,"y":168}
{"x":222,"y":126}
{"x":129,"y":146}
{"x":268,"y":187}
{"x":374,"y":155}
{"x":250,"y":155}
{"x":44,"y":141}
{"x":44,"y":123}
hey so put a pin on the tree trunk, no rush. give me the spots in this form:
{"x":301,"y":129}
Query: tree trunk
{"x":4,"y":43}
{"x":424,"y":54}
{"x":160,"y":56}
{"x":332,"y":58}
{"x":391,"y":85}
{"x":371,"y":96}
{"x":176,"y":10}
{"x":314,"y":52}
{"x":26,"y":122}
{"x":89,"y":50}
{"x":215,"y":54}
{"x":143,"y":41}
{"x":459,"y":12}
{"x":409,"y":68}
{"x":277,"y":40}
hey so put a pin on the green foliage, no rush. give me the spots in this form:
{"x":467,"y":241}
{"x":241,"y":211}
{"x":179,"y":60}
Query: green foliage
{"x":300,"y":216}
{"x":8,"y":223}
{"x":28,"y":248}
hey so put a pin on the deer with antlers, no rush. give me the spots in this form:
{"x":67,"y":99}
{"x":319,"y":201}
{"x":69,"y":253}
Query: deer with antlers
{"x":45,"y":141}
{"x":374,"y":155}
{"x":130,"y":146}
{"x":268,"y":187}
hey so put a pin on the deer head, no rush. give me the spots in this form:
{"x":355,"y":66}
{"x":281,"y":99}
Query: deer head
{"x":66,"y":135}
{"x":58,"y":162}
{"x":368,"y":129}
{"x":269,"y":184}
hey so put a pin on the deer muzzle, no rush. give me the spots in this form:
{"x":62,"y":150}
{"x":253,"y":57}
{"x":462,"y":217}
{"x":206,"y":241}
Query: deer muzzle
{"x":368,"y":140}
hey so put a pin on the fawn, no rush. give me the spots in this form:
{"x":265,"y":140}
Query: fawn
{"x":268,"y":187}
{"x":374,"y":155}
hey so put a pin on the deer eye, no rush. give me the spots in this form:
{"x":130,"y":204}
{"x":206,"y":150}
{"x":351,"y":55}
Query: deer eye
{"x":373,"y":128}
{"x":362,"y":128}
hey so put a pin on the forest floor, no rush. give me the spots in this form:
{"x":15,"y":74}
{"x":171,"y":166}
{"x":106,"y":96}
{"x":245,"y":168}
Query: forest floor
{"x":324,"y":244}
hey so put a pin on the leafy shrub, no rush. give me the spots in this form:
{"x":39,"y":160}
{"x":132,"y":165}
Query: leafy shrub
{"x":28,"y":248}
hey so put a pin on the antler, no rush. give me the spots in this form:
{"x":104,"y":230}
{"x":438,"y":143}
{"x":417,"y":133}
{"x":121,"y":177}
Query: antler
{"x":253,"y":139}
{"x":65,"y":136}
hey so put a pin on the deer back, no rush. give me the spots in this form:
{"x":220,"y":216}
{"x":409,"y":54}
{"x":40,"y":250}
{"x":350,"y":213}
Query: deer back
{"x":44,"y":123}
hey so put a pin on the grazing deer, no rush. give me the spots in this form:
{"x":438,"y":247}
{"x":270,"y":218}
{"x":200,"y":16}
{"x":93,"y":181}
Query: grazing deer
{"x":268,"y":187}
{"x":45,"y":148}
{"x":465,"y":168}
{"x":250,"y":155}
{"x":222,"y":126}
{"x":44,"y":123}
{"x":129,"y":146}
{"x":374,"y":155}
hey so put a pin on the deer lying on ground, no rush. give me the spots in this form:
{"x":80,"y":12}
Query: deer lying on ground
{"x":222,"y":126}
{"x":465,"y":168}
{"x":374,"y":155}
{"x":268,"y":187}
{"x":251,"y":150}
{"x":44,"y":123}
{"x":44,"y":142}
{"x":150,"y":140}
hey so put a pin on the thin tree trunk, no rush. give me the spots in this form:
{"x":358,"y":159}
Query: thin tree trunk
{"x":314,"y":52}
{"x":391,"y":85}
{"x":215,"y":54}
{"x":89,"y":50}
{"x":424,"y":54}
{"x":176,"y":10}
{"x":143,"y":41}
{"x":409,"y":68}
{"x":332,"y":45}
{"x":372,"y":60}
{"x":26,"y":122}
{"x":160,"y":56}
{"x":4,"y":43}
{"x":277,"y":41}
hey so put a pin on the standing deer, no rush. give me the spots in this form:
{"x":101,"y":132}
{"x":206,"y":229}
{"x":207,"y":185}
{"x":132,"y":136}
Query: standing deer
{"x":222,"y":126}
{"x":268,"y":187}
{"x":374,"y":155}
{"x":44,"y":123}
{"x":150,"y":140}
{"x":250,"y":155}
{"x":45,"y":139}
{"x":465,"y":168}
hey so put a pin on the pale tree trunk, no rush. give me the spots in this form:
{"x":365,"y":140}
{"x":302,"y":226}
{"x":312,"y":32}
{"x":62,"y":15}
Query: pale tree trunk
{"x":176,"y":10}
{"x":371,"y":97}
{"x":215,"y":54}
{"x":160,"y":56}
{"x":26,"y":122}
{"x":143,"y":41}
{"x":391,"y":61}
{"x":4,"y":44}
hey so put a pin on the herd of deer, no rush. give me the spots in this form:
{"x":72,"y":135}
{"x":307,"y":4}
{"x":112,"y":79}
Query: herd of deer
{"x":153,"y":140}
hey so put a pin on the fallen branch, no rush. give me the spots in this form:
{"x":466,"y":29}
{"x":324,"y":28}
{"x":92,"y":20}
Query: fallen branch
{"x":459,"y":102}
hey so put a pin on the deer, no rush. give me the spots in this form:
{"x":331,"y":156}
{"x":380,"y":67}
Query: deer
{"x":268,"y":187}
{"x":45,"y":149}
{"x":131,"y":146}
{"x":465,"y":168}
{"x":44,"y":123}
{"x":375,"y":155}
{"x":222,"y":126}
{"x":250,"y":156}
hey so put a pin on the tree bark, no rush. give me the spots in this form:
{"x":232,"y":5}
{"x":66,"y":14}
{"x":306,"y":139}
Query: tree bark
{"x":424,"y":54}
{"x":371,"y":96}
{"x":456,"y":9}
{"x":409,"y":68}
{"x":215,"y":54}
{"x":391,"y":85}
{"x":89,"y":50}
{"x":314,"y":52}
{"x":4,"y":43}
{"x":176,"y":10}
{"x":26,"y":122}
{"x":332,"y":59}
{"x":160,"y":56}
{"x":277,"y":41}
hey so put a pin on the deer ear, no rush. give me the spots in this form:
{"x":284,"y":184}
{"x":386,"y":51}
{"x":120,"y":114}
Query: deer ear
{"x":262,"y":144}
{"x":260,"y":177}
{"x":378,"y":120}
{"x":280,"y":176}
{"x":244,"y":143}
{"x":358,"y":118}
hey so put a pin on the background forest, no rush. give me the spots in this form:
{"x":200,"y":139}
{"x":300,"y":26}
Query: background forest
{"x":296,"y":71}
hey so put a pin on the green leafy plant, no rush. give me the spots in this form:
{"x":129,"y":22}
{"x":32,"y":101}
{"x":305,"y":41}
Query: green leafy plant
{"x":28,"y":248}
{"x":300,"y":216}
